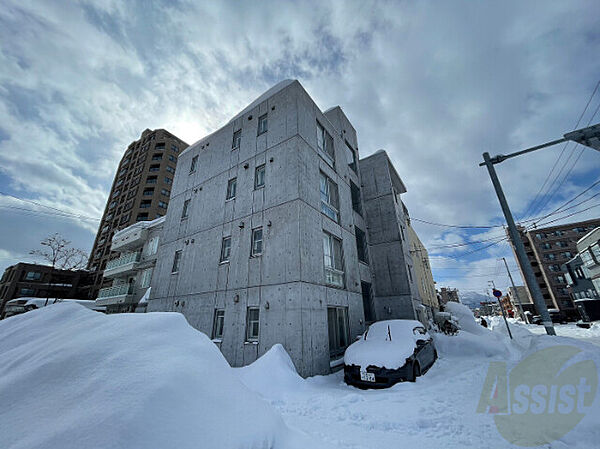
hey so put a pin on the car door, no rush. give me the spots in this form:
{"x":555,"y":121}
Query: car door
{"x":424,"y":354}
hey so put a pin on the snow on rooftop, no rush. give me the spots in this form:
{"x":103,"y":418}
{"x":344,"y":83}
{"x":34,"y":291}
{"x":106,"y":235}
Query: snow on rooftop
{"x":138,"y":225}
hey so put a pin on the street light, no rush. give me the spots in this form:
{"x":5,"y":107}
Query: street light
{"x":590,"y":137}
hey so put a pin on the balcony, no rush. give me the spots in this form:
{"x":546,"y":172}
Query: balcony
{"x":124,"y":264}
{"x":117,"y":294}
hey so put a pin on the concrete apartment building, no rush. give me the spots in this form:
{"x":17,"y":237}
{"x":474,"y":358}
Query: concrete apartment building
{"x":395,"y":292}
{"x":519,"y":296}
{"x":589,"y":250}
{"x":131,"y":272}
{"x":41,"y":281}
{"x":423,"y":274}
{"x":547,"y":250}
{"x":265,"y":241}
{"x":140,"y":192}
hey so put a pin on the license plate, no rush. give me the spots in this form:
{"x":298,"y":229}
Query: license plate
{"x":367,"y":377}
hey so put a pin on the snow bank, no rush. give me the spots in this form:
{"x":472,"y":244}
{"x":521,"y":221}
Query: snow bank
{"x":73,"y":378}
{"x":273,"y":375}
{"x":474,"y":340}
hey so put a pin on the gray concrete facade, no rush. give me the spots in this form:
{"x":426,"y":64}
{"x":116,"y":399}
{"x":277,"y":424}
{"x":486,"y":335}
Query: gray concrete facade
{"x":395,"y":290}
{"x":286,"y":283}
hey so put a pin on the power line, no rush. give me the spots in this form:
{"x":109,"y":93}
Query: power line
{"x":456,"y":226}
{"x":62,"y":212}
{"x":532,"y":208}
{"x":548,"y":198}
{"x":566,"y":216}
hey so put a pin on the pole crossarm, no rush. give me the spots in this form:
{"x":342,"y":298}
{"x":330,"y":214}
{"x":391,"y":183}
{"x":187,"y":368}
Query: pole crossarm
{"x":590,"y":137}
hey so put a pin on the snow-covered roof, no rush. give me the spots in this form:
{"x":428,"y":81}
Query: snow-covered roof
{"x":138,"y":225}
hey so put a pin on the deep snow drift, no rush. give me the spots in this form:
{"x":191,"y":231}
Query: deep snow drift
{"x":73,"y":378}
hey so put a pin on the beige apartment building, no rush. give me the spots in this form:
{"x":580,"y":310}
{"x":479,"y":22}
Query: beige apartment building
{"x":422,"y":268}
{"x":548,"y":249}
{"x":140,"y":192}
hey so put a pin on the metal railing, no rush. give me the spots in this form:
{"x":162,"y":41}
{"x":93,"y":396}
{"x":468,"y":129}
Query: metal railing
{"x":123,"y":260}
{"x":116,"y":290}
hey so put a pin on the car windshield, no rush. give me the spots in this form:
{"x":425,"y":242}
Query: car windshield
{"x":395,"y":330}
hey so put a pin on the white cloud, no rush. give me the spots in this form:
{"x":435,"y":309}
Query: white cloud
{"x":435,"y":84}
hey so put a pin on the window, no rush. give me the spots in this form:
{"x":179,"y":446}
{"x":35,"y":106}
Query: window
{"x":33,"y":276}
{"x":170,"y":169}
{"x":259,"y":177}
{"x":112,"y":204}
{"x":193,"y":164}
{"x":337,"y":323}
{"x":554,"y":267}
{"x":567,"y":254}
{"x":116,"y":193}
{"x":546,"y":245}
{"x":586,"y":258}
{"x":231,"y":187}
{"x":176,"y":260}
{"x":361,"y":245}
{"x":165,"y":192}
{"x":162,"y":204}
{"x":262,"y":124}
{"x":152,"y":246}
{"x":560,"y":279}
{"x":252,"y":324}
{"x":160,"y":146}
{"x":27,"y":291}
{"x":332,"y":260}
{"x":174,"y":148}
{"x":351,"y":157}
{"x":329,"y":198}
{"x":142,"y":217}
{"x":550,"y":256}
{"x":257,"y":242}
{"x":218,"y":322}
{"x":146,"y":278}
{"x":562,"y":244}
{"x":356,"y":203}
{"x":540,"y":236}
{"x":151,"y":180}
{"x":225,"y":249}
{"x":154,"y":167}
{"x":168,"y":180}
{"x":172,"y":158}
{"x":367,"y":302}
{"x":184,"y":211}
{"x":595,"y":249}
{"x":157,"y":157}
{"x":237,"y":138}
{"x":325,"y":142}
{"x":145,"y":204}
{"x":149,"y":192}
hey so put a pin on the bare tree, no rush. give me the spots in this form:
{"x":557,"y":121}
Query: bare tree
{"x":58,"y":252}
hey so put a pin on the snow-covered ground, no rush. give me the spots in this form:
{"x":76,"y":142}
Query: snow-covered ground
{"x":72,"y":378}
{"x":571,"y":330}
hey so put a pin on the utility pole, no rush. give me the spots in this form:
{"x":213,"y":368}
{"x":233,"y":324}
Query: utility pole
{"x":515,"y":290}
{"x":534,"y":288}
{"x":590,"y":137}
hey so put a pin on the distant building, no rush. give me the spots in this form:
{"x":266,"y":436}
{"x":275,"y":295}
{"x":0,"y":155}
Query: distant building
{"x":41,"y":281}
{"x":131,"y":271}
{"x":447,"y":294}
{"x":579,"y":279}
{"x":547,"y":250}
{"x":140,"y":192}
{"x":422,"y":267}
{"x":521,"y":296}
{"x":589,"y":251}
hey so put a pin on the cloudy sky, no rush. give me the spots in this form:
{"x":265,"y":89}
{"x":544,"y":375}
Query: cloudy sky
{"x":433,"y":83}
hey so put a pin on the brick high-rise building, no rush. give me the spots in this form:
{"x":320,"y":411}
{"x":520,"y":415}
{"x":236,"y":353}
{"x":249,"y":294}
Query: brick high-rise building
{"x":547,"y":250}
{"x":140,"y":192}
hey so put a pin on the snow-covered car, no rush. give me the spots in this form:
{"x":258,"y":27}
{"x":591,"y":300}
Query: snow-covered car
{"x":389,"y":352}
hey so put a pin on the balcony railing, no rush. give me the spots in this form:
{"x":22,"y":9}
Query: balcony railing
{"x":117,"y":290}
{"x":123,"y":260}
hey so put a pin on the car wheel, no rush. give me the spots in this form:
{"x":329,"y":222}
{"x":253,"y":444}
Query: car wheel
{"x":416,"y":371}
